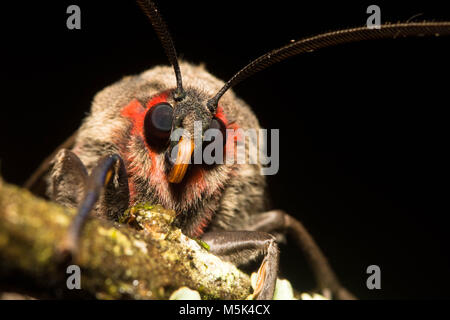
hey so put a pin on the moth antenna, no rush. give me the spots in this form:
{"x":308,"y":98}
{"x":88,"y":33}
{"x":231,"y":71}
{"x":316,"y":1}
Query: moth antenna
{"x":160,"y":27}
{"x":324,"y":40}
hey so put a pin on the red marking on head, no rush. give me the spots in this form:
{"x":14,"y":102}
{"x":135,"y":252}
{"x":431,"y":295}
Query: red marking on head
{"x":136,"y":112}
{"x":195,"y":184}
{"x":231,"y":139}
{"x":204,"y":222}
{"x":220,"y":114}
{"x":196,"y":178}
{"x":162,"y":97}
{"x":132,"y":190}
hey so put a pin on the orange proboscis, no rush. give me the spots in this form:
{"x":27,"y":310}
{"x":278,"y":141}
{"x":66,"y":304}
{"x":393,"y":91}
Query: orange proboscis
{"x":261,"y":276}
{"x":185,"y":150}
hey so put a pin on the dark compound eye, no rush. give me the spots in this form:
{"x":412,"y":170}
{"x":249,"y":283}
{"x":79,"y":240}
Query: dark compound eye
{"x":158,"y":123}
{"x":219,"y":125}
{"x":210,"y":139}
{"x":216,"y":124}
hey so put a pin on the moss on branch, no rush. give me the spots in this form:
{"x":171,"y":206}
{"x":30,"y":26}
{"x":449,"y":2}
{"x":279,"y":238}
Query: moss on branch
{"x":147,"y":261}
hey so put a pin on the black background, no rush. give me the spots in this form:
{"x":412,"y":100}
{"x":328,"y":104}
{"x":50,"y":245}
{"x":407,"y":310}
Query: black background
{"x":363,"y":127}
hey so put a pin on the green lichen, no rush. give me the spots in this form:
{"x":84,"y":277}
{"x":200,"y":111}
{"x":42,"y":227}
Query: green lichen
{"x":203,"y":244}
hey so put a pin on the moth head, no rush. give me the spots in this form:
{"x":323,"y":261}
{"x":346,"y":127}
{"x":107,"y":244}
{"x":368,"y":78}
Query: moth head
{"x":177,"y":127}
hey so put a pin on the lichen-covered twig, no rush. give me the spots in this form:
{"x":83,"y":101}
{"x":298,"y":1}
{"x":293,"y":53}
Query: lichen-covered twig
{"x":116,"y":260}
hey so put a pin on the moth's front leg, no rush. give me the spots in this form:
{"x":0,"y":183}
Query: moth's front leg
{"x":107,"y":183}
{"x":278,"y":221}
{"x":241,"y":247}
{"x":105,"y":189}
{"x":67,"y":179}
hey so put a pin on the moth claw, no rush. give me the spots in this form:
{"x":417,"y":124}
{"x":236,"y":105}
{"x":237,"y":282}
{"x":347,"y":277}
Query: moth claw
{"x":260,"y":281}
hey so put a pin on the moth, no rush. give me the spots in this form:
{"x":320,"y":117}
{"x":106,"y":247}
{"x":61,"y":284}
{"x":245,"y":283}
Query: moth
{"x":125,"y":153}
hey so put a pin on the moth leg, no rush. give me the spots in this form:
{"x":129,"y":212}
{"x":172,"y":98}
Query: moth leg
{"x":241,"y":247}
{"x":107,"y":182}
{"x":36,"y":182}
{"x":278,"y":220}
{"x":67,"y":179}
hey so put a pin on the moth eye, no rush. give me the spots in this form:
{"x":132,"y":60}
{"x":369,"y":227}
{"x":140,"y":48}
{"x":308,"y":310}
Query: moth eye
{"x":219,"y":125}
{"x":158,"y":122}
{"x":216,"y":124}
